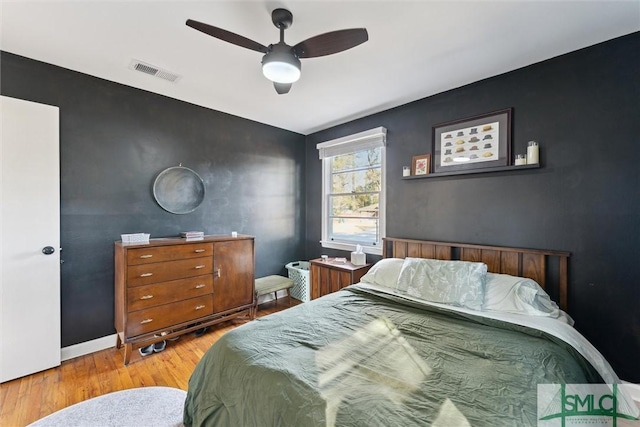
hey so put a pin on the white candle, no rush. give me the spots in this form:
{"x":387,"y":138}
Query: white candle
{"x":521,"y":159}
{"x":532,"y":153}
{"x":406,"y":171}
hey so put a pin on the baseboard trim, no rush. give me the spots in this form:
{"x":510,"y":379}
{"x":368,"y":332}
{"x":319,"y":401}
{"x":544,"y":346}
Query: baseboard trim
{"x":87,"y":347}
{"x":98,"y":344}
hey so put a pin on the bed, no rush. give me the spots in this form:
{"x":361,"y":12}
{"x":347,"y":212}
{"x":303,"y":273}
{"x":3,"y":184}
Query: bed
{"x":436,"y":334}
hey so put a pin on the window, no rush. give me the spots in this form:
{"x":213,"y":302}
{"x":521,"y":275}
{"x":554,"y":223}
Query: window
{"x":353,"y":191}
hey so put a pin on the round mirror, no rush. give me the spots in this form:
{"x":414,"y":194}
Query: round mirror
{"x":178,"y":190}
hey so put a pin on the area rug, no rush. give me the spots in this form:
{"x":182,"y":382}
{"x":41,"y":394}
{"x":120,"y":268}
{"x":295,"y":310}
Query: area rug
{"x":149,"y":406}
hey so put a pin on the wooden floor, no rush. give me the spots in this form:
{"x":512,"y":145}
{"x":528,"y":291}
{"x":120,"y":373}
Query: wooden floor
{"x":27,"y":399}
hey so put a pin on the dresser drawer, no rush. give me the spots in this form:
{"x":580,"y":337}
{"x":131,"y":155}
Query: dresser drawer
{"x":146,"y":296}
{"x":168,"y":253}
{"x":164,"y":316}
{"x":145,"y":274}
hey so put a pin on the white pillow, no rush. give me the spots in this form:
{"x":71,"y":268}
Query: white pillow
{"x":520,"y":295}
{"x":384,"y":272}
{"x":459,"y":283}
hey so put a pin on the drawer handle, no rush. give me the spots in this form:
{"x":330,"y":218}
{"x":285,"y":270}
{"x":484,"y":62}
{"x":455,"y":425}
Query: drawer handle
{"x":200,"y":307}
{"x":200,"y":266}
{"x":146,"y":297}
{"x":199,"y":251}
{"x":146,"y":256}
{"x":200,"y":286}
{"x":146,"y":274}
{"x":146,"y":321}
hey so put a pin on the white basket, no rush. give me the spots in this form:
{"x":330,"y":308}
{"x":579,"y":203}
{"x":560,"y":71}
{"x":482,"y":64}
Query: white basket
{"x":299,"y":273}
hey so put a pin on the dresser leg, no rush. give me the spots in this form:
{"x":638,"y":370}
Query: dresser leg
{"x":127,"y":353}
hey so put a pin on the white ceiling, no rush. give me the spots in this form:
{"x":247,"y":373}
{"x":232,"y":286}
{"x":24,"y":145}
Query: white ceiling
{"x":415,"y":48}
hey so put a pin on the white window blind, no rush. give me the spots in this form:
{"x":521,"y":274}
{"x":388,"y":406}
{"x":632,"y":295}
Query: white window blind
{"x":368,"y":139}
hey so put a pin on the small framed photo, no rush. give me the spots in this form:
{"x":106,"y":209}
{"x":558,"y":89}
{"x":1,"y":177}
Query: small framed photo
{"x":482,"y":141}
{"x":421,"y":165}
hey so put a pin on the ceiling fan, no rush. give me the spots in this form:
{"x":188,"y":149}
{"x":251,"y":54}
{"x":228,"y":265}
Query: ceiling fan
{"x":281,"y":62}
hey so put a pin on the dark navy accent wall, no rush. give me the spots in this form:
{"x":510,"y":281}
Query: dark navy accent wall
{"x":115,"y":140}
{"x":584,"y":110}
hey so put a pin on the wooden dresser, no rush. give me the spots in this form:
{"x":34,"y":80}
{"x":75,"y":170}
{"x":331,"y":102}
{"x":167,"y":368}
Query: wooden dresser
{"x":330,"y":276}
{"x":169,"y":287}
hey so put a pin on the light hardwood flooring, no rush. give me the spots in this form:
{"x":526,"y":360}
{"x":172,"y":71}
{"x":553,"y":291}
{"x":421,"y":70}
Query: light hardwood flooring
{"x":27,"y":399}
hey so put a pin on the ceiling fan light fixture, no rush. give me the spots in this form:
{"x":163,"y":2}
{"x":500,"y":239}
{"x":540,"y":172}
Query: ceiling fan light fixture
{"x":281,"y":65}
{"x":281,"y":62}
{"x":281,"y":72}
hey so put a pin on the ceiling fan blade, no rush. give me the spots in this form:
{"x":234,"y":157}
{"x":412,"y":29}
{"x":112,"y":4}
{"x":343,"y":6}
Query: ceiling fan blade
{"x":227,"y":36}
{"x":330,"y":43}
{"x":282,"y":88}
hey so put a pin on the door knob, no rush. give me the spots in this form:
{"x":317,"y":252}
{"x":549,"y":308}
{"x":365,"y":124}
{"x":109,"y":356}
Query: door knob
{"x":48,"y":250}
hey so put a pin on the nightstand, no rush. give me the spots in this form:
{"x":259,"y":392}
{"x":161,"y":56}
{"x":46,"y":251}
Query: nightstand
{"x":331,"y":276}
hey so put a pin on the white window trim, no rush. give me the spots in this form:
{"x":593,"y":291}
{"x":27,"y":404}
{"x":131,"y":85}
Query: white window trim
{"x":372,"y":138}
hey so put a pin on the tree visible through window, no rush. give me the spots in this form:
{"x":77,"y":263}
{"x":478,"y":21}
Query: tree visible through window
{"x":354,"y":200}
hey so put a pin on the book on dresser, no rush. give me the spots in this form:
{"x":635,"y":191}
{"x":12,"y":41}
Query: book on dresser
{"x":172,"y":286}
{"x":192,"y":234}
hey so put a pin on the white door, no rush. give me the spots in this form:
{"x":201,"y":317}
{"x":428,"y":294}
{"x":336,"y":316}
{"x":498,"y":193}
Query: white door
{"x":30,"y":222}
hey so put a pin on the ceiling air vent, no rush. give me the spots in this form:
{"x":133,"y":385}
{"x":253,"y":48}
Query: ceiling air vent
{"x":152,"y":70}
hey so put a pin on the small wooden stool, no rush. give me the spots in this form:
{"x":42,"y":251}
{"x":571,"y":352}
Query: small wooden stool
{"x":270,"y":284}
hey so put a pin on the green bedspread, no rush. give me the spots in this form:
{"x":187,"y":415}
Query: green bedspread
{"x":359,"y":358}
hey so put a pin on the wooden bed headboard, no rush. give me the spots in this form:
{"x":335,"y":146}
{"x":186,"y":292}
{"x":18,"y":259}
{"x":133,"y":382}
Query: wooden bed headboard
{"x":535,"y":264}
